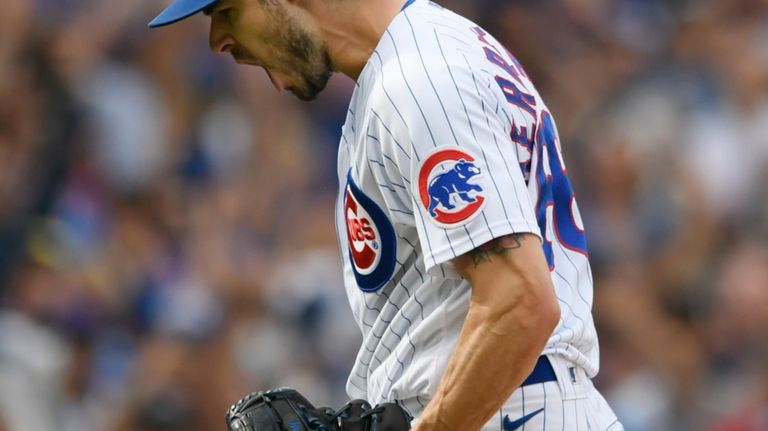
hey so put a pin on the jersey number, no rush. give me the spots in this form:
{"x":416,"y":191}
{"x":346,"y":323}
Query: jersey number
{"x":556,"y":206}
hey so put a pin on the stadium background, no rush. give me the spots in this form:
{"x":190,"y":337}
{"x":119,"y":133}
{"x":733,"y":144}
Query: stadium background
{"x":166,"y":237}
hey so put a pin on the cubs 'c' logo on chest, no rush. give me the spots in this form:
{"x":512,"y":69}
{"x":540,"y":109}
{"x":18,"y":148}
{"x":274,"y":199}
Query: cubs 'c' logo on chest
{"x":371,"y":239}
{"x":448,"y":189}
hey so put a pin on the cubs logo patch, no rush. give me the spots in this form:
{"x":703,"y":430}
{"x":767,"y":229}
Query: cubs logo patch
{"x":370,"y":237}
{"x":447,"y":187}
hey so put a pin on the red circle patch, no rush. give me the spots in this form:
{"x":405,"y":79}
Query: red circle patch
{"x":446,"y":187}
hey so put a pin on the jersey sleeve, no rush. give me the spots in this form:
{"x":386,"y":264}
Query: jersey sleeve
{"x":450,"y":138}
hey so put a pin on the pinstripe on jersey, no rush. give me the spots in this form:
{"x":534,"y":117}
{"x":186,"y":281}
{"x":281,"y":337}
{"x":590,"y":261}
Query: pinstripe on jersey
{"x":436,"y":81}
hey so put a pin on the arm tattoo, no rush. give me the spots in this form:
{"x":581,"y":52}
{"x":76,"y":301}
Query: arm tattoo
{"x":498,"y":246}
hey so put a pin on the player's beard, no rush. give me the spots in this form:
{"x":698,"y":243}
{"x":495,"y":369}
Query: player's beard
{"x":306,"y":57}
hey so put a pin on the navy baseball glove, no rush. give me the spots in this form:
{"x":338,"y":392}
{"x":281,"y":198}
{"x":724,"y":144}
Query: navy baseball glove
{"x":358,"y":415}
{"x":282,"y":409}
{"x":285,"y":409}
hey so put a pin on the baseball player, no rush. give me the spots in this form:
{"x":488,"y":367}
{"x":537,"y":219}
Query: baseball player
{"x":465,"y":259}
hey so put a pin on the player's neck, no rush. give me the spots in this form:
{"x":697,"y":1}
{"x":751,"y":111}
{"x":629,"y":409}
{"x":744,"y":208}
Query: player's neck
{"x":353,"y":28}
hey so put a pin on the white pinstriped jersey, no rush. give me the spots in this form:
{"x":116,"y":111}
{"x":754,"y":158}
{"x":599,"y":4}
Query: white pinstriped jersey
{"x":446,"y":146}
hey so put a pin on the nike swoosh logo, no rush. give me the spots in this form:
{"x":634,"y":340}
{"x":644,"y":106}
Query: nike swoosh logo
{"x":513,"y":425}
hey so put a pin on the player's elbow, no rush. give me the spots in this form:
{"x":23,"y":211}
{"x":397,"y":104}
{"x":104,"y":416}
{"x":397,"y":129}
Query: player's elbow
{"x":539,"y":311}
{"x":548,"y":312}
{"x":532,"y":310}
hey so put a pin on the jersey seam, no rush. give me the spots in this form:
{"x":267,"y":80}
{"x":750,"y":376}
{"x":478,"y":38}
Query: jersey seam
{"x":465,"y":244}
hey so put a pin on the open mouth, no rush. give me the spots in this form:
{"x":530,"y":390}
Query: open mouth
{"x":244,"y":61}
{"x":277,"y":82}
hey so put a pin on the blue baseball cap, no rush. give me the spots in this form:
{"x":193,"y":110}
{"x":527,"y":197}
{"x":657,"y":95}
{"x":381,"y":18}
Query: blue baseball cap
{"x":178,"y":10}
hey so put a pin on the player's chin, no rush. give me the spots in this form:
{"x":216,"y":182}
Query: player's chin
{"x":304,"y":94}
{"x":311,"y":88}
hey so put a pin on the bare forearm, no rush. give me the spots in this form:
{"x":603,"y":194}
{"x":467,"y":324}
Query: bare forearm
{"x":506,"y":329}
{"x":491,"y":360}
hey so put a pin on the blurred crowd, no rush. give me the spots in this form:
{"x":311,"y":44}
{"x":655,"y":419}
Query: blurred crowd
{"x":166,"y":218}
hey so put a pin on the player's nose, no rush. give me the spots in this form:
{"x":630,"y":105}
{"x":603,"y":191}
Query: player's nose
{"x":220,"y":41}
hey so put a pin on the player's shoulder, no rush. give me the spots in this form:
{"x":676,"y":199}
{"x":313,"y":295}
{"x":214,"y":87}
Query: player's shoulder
{"x":431,"y":56}
{"x":427,"y":37}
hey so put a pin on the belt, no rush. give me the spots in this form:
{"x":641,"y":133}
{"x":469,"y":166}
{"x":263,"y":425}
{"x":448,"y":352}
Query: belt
{"x":542,"y":372}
